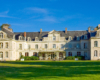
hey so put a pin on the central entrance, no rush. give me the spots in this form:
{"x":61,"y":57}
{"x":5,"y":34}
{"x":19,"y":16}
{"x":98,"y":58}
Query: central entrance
{"x":52,"y":56}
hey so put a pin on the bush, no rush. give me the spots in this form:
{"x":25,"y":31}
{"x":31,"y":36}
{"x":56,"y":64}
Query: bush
{"x":31,"y":58}
{"x":70,"y":58}
{"x":80,"y":57}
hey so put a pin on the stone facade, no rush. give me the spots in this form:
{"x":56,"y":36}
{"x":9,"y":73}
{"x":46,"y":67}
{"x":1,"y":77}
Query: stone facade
{"x":49,"y":45}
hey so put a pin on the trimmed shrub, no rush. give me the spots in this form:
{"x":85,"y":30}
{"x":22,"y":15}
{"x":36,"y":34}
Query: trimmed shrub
{"x":31,"y":58}
{"x":80,"y":57}
{"x":70,"y":58}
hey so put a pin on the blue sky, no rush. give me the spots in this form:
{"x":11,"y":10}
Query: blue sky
{"x":31,"y":15}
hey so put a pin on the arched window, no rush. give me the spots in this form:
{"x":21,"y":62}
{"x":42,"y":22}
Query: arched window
{"x":1,"y":35}
{"x":1,"y":45}
{"x":95,"y":53}
{"x":6,"y":54}
{"x":1,"y":54}
{"x":6,"y":44}
{"x":20,"y":37}
{"x":69,"y":53}
{"x":36,"y":46}
{"x":95,"y":43}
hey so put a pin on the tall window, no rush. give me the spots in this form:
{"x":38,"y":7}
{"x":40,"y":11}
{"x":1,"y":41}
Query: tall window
{"x":1,"y":35}
{"x":54,"y":38}
{"x":26,"y":54}
{"x":34,"y":53}
{"x":20,"y":46}
{"x":54,"y":45}
{"x":78,"y":46}
{"x":1,"y":54}
{"x":20,"y":54}
{"x":46,"y":46}
{"x":95,"y":43}
{"x":36,"y":46}
{"x":1,"y":45}
{"x":85,"y":45}
{"x":6,"y":44}
{"x":69,"y":53}
{"x":29,"y":46}
{"x":78,"y":53}
{"x":6,"y":54}
{"x":62,"y":46}
{"x":95,"y":53}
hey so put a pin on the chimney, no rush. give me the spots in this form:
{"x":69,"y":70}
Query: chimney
{"x":24,"y":34}
{"x":89,"y":30}
{"x":65,"y":30}
{"x":40,"y":31}
{"x":95,"y":29}
{"x":5,"y":26}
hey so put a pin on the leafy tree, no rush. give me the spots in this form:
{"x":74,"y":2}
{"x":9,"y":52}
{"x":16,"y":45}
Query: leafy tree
{"x":4,"y":25}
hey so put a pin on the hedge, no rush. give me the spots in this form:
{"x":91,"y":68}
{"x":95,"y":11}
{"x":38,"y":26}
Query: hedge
{"x":73,"y":57}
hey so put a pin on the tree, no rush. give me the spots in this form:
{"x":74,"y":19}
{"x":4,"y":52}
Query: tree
{"x":4,"y":25}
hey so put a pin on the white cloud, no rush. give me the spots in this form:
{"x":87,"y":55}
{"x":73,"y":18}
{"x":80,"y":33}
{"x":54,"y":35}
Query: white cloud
{"x":38,"y":10}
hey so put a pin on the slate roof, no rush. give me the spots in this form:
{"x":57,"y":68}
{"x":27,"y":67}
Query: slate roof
{"x":9,"y":33}
{"x":73,"y":34}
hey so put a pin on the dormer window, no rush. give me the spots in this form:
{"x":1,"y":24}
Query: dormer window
{"x":20,"y":37}
{"x":78,"y":38}
{"x":29,"y":39}
{"x":1,"y":35}
{"x":54,"y":38}
{"x":70,"y":38}
{"x":36,"y":39}
{"x":85,"y":37}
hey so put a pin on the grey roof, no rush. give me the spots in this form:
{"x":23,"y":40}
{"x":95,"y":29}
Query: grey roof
{"x":73,"y":34}
{"x":9,"y":33}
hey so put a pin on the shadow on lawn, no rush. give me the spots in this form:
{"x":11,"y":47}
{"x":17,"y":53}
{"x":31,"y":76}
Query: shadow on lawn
{"x":58,"y":69}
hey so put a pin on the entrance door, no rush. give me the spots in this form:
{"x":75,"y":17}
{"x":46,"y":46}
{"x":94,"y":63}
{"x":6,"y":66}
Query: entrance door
{"x":52,"y":56}
{"x":43,"y":55}
{"x":60,"y":55}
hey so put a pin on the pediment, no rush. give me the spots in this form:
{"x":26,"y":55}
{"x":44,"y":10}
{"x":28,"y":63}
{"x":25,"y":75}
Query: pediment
{"x":53,"y":32}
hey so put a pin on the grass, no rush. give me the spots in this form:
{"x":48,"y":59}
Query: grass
{"x":50,"y":70}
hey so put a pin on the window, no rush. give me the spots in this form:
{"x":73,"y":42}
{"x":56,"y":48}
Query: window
{"x":78,"y":38}
{"x":1,"y":45}
{"x":29,"y":39}
{"x":78,"y":53}
{"x":20,"y":46}
{"x":54,"y":38}
{"x":20,"y":38}
{"x":1,"y":35}
{"x":95,"y":53}
{"x":20,"y":54}
{"x":29,"y":46}
{"x":85,"y":45}
{"x":6,"y":54}
{"x":26,"y":54}
{"x":36,"y":46}
{"x":54,"y":45}
{"x":1,"y":54}
{"x":6,"y":44}
{"x":85,"y":37}
{"x":62,"y":46}
{"x":85,"y":54}
{"x":95,"y":43}
{"x":78,"y":46}
{"x":70,"y":38}
{"x":36,"y":39}
{"x":46,"y":46}
{"x":34,"y":53}
{"x":69,"y":53}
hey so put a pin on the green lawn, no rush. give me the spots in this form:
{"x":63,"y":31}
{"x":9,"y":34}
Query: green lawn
{"x":50,"y":70}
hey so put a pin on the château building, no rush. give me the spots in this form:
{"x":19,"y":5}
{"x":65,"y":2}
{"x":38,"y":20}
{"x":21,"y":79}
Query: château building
{"x":49,"y":45}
